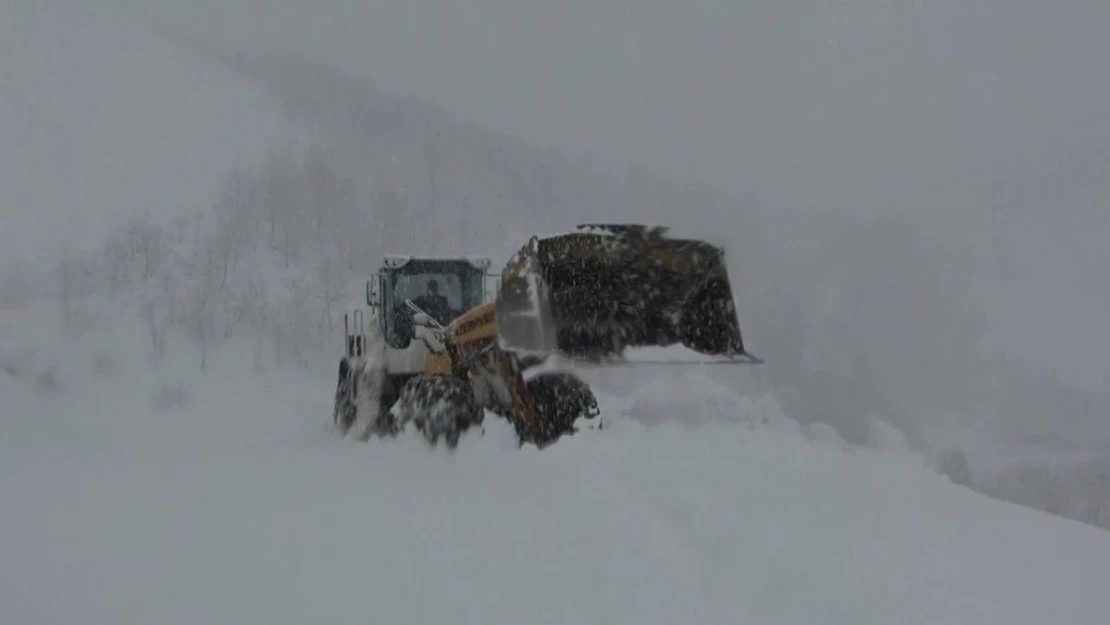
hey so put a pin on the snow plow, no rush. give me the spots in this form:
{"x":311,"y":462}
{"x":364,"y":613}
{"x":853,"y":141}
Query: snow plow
{"x":599,"y":292}
{"x":447,"y":340}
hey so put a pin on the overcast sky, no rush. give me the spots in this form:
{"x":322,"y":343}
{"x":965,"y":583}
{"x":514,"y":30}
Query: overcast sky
{"x":956,"y":114}
{"x":100,"y":120}
{"x":940,"y":106}
{"x":937,"y":108}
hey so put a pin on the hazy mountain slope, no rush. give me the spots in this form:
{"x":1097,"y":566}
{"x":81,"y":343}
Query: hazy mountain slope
{"x":102,"y":119}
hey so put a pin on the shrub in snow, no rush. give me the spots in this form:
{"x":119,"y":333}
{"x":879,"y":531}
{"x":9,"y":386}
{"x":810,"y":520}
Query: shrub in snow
{"x":103,"y":363}
{"x":823,"y":433}
{"x":48,"y":380}
{"x":170,"y":397}
{"x":884,"y":436}
{"x":1077,"y":490}
{"x":954,"y":464}
{"x":17,"y":287}
{"x":11,"y":367}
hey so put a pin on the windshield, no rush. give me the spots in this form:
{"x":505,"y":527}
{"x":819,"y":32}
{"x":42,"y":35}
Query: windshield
{"x":415,"y":286}
{"x":444,"y":290}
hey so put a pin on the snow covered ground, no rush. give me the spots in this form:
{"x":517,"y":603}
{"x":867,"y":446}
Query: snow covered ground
{"x":139,"y":494}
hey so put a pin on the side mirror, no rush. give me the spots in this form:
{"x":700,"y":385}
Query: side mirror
{"x":372,"y":296}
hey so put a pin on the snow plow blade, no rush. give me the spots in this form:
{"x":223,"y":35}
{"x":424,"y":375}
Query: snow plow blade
{"x":609,"y":293}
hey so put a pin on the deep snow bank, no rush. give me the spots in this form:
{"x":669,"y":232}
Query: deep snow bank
{"x":234,"y":504}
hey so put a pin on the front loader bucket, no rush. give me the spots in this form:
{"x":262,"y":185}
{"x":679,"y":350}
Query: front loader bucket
{"x":598,"y":291}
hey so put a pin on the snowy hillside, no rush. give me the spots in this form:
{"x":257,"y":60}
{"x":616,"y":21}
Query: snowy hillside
{"x":102,"y":119}
{"x":139,"y":494}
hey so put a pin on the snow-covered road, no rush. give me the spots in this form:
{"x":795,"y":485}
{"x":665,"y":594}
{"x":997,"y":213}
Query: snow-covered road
{"x":241,"y":508}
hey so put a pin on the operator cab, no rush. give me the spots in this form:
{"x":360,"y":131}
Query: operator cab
{"x":443,"y":288}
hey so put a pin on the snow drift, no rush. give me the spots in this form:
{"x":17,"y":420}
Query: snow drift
{"x":229,"y":500}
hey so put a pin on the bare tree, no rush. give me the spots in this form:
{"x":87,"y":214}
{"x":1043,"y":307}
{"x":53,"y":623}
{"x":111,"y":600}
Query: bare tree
{"x":201,"y":299}
{"x":117,"y":260}
{"x":232,"y":222}
{"x":146,"y":243}
{"x":331,"y":283}
{"x":200,"y":323}
{"x":180,"y":225}
{"x":17,"y":285}
{"x":280,"y":192}
{"x":156,"y":327}
{"x":76,"y":280}
{"x":66,"y":279}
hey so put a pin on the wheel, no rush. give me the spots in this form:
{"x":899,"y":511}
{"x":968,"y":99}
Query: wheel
{"x":439,"y":406}
{"x":360,"y":392}
{"x":560,"y":400}
{"x":344,"y":411}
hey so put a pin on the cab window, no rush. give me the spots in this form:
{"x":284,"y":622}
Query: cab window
{"x":462,"y":289}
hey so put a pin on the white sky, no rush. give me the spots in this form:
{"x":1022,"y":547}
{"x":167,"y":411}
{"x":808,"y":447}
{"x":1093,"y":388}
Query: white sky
{"x":943,"y":106}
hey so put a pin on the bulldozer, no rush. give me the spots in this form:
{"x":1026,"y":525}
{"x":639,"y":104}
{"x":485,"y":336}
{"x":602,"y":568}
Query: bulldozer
{"x":448,"y":340}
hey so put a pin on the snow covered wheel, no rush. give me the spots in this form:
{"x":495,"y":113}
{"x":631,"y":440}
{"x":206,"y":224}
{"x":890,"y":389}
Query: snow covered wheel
{"x":561,"y":399}
{"x":344,"y":411}
{"x":439,"y":406}
{"x":359,"y":396}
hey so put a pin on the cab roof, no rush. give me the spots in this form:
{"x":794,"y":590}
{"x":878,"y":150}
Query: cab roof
{"x":397,"y":261}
